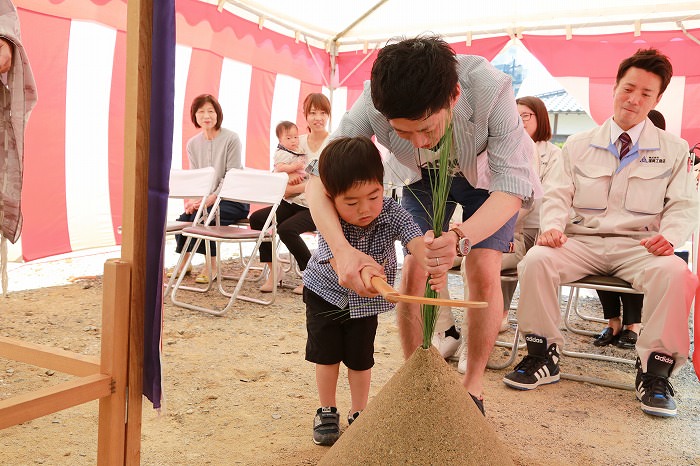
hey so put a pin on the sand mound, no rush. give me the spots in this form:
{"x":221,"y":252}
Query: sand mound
{"x":423,"y":415}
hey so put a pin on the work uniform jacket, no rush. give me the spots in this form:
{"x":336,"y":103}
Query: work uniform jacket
{"x":651,"y":191}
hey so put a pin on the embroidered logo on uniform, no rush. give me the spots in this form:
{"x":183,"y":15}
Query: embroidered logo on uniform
{"x":652,"y":159}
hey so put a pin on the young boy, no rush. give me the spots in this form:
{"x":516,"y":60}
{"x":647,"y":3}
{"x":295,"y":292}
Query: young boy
{"x":287,"y":157}
{"x":341,"y":325}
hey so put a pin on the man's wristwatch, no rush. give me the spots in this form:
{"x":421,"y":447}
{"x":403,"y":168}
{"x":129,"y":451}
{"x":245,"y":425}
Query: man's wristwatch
{"x":463,"y":243}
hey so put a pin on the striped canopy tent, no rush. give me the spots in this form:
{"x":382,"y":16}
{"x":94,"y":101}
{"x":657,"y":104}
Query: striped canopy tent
{"x":262,"y":59}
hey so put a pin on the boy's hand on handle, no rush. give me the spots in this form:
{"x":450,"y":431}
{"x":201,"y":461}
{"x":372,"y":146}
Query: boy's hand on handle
{"x":367,"y":273}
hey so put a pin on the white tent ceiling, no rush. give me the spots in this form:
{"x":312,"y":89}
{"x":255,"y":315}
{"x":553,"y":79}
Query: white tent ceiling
{"x":354,"y":24}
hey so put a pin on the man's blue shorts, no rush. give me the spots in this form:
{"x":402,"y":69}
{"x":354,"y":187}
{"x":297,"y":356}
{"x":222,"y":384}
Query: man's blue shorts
{"x":417,"y":199}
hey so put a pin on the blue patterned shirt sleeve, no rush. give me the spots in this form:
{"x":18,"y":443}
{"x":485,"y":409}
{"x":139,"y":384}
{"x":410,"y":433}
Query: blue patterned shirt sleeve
{"x":376,"y":240}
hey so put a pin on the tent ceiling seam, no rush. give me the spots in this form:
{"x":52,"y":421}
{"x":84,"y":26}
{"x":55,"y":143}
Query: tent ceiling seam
{"x":359,"y":20}
{"x":685,"y":31}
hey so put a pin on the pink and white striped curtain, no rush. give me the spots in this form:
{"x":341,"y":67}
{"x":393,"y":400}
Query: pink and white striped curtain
{"x":74,"y":142}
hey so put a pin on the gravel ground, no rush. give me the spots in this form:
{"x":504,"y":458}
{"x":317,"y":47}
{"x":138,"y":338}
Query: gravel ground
{"x":238,"y":390}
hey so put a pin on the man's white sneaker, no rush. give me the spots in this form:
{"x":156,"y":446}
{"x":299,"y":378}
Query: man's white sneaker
{"x":462,"y":351}
{"x":505,"y":325}
{"x":446,"y":345}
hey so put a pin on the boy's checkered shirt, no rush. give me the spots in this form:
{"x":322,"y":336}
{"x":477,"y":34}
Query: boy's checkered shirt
{"x":376,"y":240}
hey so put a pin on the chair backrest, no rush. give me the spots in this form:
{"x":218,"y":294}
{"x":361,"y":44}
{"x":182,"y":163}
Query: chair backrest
{"x":253,"y":186}
{"x":189,"y":184}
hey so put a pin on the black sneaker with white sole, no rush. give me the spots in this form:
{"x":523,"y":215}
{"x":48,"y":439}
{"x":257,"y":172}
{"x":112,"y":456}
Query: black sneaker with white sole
{"x":539,"y":367}
{"x":326,"y":426}
{"x":654,"y":391}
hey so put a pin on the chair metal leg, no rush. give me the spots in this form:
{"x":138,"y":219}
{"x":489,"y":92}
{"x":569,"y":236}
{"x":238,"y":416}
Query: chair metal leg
{"x":597,"y":381}
{"x":583,"y":316}
{"x":236,"y":293}
{"x":597,"y":357}
{"x":514,"y":346}
{"x":183,"y":267}
{"x":573,"y":303}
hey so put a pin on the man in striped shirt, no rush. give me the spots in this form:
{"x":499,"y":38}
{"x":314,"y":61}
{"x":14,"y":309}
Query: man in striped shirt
{"x":417,"y":88}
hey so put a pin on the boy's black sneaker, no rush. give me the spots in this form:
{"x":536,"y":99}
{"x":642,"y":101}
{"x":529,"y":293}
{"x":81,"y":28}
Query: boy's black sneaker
{"x":653,"y":388}
{"x":539,"y":367}
{"x":326,"y":426}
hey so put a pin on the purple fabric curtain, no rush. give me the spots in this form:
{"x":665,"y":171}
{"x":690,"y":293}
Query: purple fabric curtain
{"x":160,"y":156}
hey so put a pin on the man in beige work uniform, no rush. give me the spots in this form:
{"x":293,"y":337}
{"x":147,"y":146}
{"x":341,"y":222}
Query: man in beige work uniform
{"x":621,"y":197}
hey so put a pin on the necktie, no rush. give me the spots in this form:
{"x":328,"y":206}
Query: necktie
{"x":625,"y":144}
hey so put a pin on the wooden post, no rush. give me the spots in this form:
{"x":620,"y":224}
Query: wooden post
{"x":135,"y":210}
{"x":114,"y":357}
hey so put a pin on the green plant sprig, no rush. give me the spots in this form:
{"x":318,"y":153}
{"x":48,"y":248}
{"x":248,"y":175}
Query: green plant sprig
{"x":440,"y":184}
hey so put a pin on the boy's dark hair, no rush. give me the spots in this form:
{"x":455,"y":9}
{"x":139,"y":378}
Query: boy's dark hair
{"x":657,"y":118}
{"x":414,"y":78}
{"x":199,"y":101}
{"x":650,"y":60}
{"x":345,"y":162}
{"x":544,"y":129}
{"x":283,"y":127}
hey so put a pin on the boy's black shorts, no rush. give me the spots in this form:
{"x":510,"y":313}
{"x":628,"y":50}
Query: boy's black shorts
{"x":334,"y":337}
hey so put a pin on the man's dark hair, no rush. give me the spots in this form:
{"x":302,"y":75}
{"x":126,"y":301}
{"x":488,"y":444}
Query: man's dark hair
{"x":657,"y":118}
{"x":650,"y":60}
{"x":199,"y":101}
{"x":283,"y":127}
{"x":414,"y":78}
{"x":346,"y":162}
{"x":544,"y":129}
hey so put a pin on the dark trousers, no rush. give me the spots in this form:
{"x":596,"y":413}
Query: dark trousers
{"x":292,"y":221}
{"x":631,"y":306}
{"x":229,"y":213}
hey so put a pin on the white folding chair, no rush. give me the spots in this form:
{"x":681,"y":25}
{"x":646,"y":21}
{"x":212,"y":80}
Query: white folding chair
{"x":593,"y":282}
{"x":187,"y":184}
{"x":247,"y":186}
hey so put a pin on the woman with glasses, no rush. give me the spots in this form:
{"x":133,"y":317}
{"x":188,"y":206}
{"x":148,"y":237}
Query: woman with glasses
{"x":533,"y":112}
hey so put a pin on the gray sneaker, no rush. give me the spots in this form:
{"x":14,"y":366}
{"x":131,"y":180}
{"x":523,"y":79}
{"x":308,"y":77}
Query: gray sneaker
{"x":326,"y":426}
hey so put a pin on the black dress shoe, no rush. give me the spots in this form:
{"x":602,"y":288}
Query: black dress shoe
{"x":606,"y":338}
{"x":627,"y":339}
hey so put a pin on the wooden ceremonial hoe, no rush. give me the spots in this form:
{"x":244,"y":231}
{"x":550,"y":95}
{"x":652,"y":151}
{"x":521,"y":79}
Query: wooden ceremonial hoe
{"x":394,"y":296}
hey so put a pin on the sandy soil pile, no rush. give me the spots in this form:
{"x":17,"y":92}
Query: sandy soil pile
{"x":422,"y":415}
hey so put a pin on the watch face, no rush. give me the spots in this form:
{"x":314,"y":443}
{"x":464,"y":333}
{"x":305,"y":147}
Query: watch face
{"x":464,"y":246}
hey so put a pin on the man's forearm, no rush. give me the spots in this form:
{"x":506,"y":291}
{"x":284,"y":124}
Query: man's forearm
{"x":491,"y":216}
{"x":324,"y":215}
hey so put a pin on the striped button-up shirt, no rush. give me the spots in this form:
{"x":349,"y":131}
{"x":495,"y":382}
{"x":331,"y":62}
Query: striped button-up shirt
{"x":376,"y":240}
{"x":485,"y":120}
